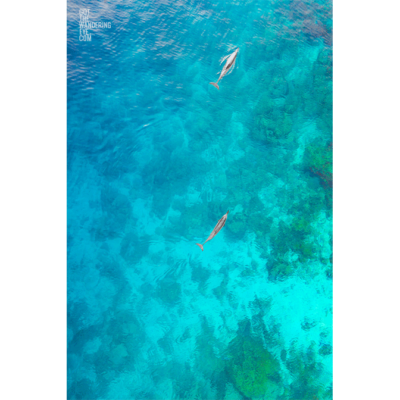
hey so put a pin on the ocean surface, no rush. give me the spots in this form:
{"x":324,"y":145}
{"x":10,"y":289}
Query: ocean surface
{"x":156,"y":156}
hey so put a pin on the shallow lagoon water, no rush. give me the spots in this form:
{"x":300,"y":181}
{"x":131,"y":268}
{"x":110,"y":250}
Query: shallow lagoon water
{"x":156,"y":156}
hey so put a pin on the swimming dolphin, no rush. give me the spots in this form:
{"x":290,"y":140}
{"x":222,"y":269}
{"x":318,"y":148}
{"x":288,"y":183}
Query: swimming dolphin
{"x":229,"y":63}
{"x":217,"y":228}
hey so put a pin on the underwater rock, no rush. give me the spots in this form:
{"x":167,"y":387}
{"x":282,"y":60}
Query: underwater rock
{"x":221,"y":290}
{"x":80,"y":388}
{"x":325,"y":350}
{"x":117,"y":212}
{"x":194,"y":221}
{"x":329,"y":271}
{"x":133,"y":248}
{"x":125,"y":326}
{"x":278,"y":87}
{"x":118,"y":354}
{"x":200,"y":274}
{"x":323,"y":68}
{"x":86,"y":137}
{"x":238,"y":226}
{"x":248,"y":272}
{"x":169,"y":291}
{"x":105,"y":228}
{"x":201,"y":125}
{"x":308,"y":324}
{"x":167,"y":344}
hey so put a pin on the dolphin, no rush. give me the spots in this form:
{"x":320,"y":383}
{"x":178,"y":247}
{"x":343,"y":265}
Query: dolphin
{"x":217,"y":228}
{"x":229,"y":63}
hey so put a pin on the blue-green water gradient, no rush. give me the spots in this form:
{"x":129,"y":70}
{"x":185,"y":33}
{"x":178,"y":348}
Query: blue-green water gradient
{"x":156,"y":156}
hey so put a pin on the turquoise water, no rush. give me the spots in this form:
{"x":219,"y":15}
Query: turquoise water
{"x":156,"y":156}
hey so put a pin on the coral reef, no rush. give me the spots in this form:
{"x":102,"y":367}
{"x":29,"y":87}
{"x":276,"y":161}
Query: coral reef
{"x":307,"y":17}
{"x":251,"y":368}
{"x":319,"y":162}
{"x":291,"y":246}
{"x":272,"y":124}
{"x":306,"y":372}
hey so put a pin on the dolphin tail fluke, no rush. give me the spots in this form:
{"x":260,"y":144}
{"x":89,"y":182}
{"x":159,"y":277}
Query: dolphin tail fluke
{"x":214,"y":84}
{"x":201,"y":246}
